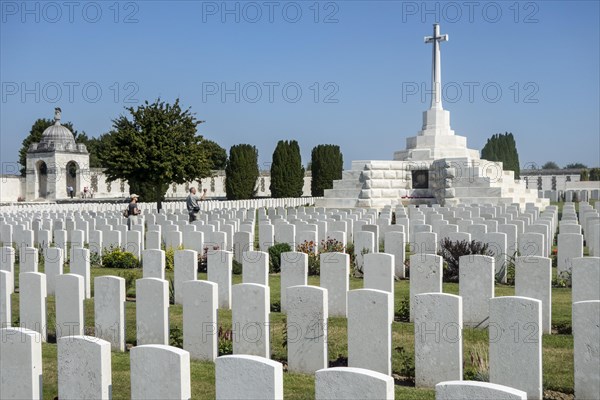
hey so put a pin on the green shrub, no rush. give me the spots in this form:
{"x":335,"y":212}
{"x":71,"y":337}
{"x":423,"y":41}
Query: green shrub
{"x":225,"y":341}
{"x":314,"y":259}
{"x":407,"y":362}
{"x":452,"y":251}
{"x":130,"y":277}
{"x":115,"y":257}
{"x":176,"y":337}
{"x":236,"y":267}
{"x":275,"y":256}
{"x":403,"y":313}
{"x":95,"y":259}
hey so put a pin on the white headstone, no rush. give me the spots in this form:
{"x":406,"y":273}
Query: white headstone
{"x":476,"y":287}
{"x":250,"y":319}
{"x":80,"y":265}
{"x":109,"y":310}
{"x":347,"y":383}
{"x":425,"y":276}
{"x":306,"y":328}
{"x":515,"y":339}
{"x":460,"y":390}
{"x":394,"y":243}
{"x":533,"y":279}
{"x":248,"y":377}
{"x":379,"y":272}
{"x":294,"y":272}
{"x":84,"y":368}
{"x":438,"y":338}
{"x":585,"y":278}
{"x":219,"y":264}
{"x":186,"y":269}
{"x":200,"y":329}
{"x":255,"y":267}
{"x":69,"y":305}
{"x":160,"y":372}
{"x":335,"y":272}
{"x":53,"y":267}
{"x":5,"y":300}
{"x":370,"y":317}
{"x":154,"y":264}
{"x":32,"y":302}
{"x":570,"y":246}
{"x":152,"y":311}
{"x":586,"y":348}
{"x":21,"y":366}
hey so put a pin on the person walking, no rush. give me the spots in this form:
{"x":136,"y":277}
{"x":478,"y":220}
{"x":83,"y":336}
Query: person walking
{"x":132,"y":211}
{"x":192,"y":203}
{"x":70,"y":190}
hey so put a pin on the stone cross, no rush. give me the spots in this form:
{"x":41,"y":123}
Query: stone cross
{"x":436,"y":72}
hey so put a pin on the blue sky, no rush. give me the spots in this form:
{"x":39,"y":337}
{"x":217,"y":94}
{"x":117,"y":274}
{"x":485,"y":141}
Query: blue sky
{"x":352,"y":73}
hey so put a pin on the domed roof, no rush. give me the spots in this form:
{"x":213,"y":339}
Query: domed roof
{"x":57,"y":133}
{"x":57,"y":138}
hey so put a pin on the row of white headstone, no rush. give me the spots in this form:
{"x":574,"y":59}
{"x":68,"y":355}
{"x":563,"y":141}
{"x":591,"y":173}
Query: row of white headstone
{"x":163,"y":372}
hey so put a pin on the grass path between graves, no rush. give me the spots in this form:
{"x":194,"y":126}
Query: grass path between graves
{"x":557,"y":348}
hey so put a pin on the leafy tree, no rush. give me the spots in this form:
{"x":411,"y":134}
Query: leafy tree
{"x":550,"y":165}
{"x":94,"y":147}
{"x":287,"y":172}
{"x":327,"y":164}
{"x":241,"y":172}
{"x":157,"y":146}
{"x":35,"y":135}
{"x":502,"y":147}
{"x":575,"y":166}
{"x":595,"y":174}
{"x":216,"y":154}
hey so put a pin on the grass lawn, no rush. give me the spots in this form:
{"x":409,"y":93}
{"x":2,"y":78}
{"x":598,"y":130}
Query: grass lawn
{"x":557,"y":349}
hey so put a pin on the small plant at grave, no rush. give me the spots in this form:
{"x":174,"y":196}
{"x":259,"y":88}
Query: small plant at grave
{"x":170,"y":258}
{"x":176,"y":337}
{"x":309,"y":247}
{"x":407,"y":363}
{"x":236,"y":267}
{"x":478,"y":369}
{"x":116,"y":257}
{"x":130,"y":277}
{"x":275,"y":256}
{"x":350,"y":252}
{"x":562,"y":328}
{"x":357,"y":271}
{"x":451,"y":251}
{"x":203,"y":257}
{"x":171,"y":291}
{"x":403,"y":313}
{"x":95,"y":260}
{"x":276,"y":306}
{"x":562,"y":280}
{"x":225,"y":339}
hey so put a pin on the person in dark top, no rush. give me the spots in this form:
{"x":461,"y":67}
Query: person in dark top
{"x":133,"y":211}
{"x":192,"y":203}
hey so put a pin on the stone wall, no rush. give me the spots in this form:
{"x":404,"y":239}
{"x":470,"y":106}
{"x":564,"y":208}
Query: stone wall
{"x":12,"y":187}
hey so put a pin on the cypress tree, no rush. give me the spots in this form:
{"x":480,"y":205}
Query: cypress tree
{"x":327,"y":164}
{"x":503,"y":147}
{"x":287,"y":172}
{"x":241,"y":172}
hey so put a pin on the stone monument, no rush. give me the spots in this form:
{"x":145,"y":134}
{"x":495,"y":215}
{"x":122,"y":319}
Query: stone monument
{"x":436,"y":167}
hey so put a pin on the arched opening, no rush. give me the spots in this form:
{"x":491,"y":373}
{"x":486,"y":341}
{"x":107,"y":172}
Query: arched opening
{"x":72,"y":171}
{"x":42,"y":179}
